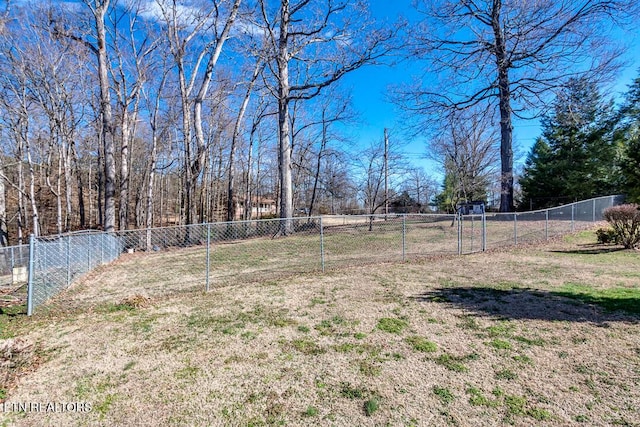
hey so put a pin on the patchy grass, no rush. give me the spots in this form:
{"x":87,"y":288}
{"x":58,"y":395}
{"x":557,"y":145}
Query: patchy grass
{"x":536,"y":335}
{"x":445,"y":395}
{"x":611,"y":299}
{"x":371,"y":406}
{"x":456,"y":363}
{"x":421,"y":344}
{"x":391,"y":325}
{"x":499,"y":344}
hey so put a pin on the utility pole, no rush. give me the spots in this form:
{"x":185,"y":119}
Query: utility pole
{"x":386,"y":173}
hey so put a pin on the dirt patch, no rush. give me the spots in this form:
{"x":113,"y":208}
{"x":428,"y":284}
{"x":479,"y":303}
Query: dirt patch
{"x":18,"y":357}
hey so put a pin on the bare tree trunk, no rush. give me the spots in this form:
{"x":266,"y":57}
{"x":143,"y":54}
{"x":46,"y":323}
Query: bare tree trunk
{"x":35,"y":229}
{"x":316,"y":178}
{"x":4,"y":232}
{"x":68,"y":194}
{"x":81,"y":207}
{"x":506,"y":128}
{"x":99,"y":13}
{"x":47,"y":178}
{"x":284,"y":141}
{"x":123,"y":211}
{"x":21,"y":189}
{"x":197,"y":163}
{"x":231,"y":210}
{"x":248,"y":206}
{"x":59,"y":193}
{"x":150,"y":184}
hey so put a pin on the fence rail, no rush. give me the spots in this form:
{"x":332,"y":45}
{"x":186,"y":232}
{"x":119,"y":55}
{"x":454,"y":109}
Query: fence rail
{"x":219,"y":254}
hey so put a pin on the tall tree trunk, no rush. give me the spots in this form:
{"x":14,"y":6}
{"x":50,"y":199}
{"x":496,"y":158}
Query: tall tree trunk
{"x":81,"y":207}
{"x":247,"y":194}
{"x":4,"y":232}
{"x":59,"y":192}
{"x":35,"y":229}
{"x":123,"y":211}
{"x":107,"y":118}
{"x":506,"y":127}
{"x":187,"y":196}
{"x":21,"y":189}
{"x":284,"y":142}
{"x":150,"y":187}
{"x":68,"y":194}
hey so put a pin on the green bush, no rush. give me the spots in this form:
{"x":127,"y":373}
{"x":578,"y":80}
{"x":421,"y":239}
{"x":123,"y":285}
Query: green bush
{"x":625,"y":221}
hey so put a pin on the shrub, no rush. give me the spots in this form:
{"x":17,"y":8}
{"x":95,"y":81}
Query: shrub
{"x":606,"y":236}
{"x":625,"y":221}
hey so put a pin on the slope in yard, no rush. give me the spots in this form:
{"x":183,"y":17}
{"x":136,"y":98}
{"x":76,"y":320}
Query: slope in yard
{"x":543,"y":335}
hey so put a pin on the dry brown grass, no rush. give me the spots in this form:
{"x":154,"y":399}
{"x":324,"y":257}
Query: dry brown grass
{"x":146,"y":347}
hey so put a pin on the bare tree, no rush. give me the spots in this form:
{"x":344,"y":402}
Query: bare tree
{"x":420,"y":186}
{"x":132,"y":44}
{"x":231,"y":202}
{"x":99,"y":10}
{"x":467,"y":148}
{"x":17,"y":105}
{"x":183,"y":27}
{"x":510,"y":53}
{"x":318,"y":43}
{"x":370,"y":166}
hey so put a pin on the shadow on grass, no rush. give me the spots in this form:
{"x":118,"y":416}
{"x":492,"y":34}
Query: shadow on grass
{"x":574,"y":303}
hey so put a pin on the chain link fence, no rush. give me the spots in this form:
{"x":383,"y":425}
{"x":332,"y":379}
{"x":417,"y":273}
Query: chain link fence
{"x":55,"y":262}
{"x":162,"y":261}
{"x":14,"y":262}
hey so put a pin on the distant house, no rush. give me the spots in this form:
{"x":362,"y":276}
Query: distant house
{"x":260,"y":207}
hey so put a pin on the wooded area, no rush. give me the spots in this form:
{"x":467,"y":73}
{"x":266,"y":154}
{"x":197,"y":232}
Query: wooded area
{"x":119,"y":114}
{"x":123,"y":114}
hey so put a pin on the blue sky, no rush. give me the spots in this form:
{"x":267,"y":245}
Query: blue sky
{"x":371,"y":85}
{"x":370,"y":88}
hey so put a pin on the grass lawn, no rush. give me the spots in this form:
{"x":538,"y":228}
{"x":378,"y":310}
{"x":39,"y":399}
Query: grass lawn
{"x":537,"y":335}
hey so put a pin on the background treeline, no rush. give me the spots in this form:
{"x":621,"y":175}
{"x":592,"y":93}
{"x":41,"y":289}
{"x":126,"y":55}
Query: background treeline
{"x":117,"y":114}
{"x":122,"y":114}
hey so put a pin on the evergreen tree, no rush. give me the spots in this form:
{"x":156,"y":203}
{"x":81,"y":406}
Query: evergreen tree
{"x":630,"y":141}
{"x":448,"y":198}
{"x":540,"y":182}
{"x":576,"y":157}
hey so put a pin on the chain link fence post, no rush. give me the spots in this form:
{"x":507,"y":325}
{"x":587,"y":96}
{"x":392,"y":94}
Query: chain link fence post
{"x":459,"y":220}
{"x":473,"y":231}
{"x":88,"y":261}
{"x":30,"y":279}
{"x":573,"y":214}
{"x":594,"y":210}
{"x":484,"y":231}
{"x":546,"y":224}
{"x":68,"y":260}
{"x":208,"y":257}
{"x":404,"y":237}
{"x":321,"y":244}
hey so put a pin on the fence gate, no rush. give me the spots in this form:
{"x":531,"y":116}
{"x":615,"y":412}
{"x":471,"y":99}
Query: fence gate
{"x":472,"y":232}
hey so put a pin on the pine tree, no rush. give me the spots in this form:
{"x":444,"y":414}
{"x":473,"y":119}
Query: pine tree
{"x":575,"y":159}
{"x":630,"y":141}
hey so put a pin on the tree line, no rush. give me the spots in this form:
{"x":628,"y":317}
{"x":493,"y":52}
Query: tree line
{"x":117,"y":114}
{"x":120,"y":114}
